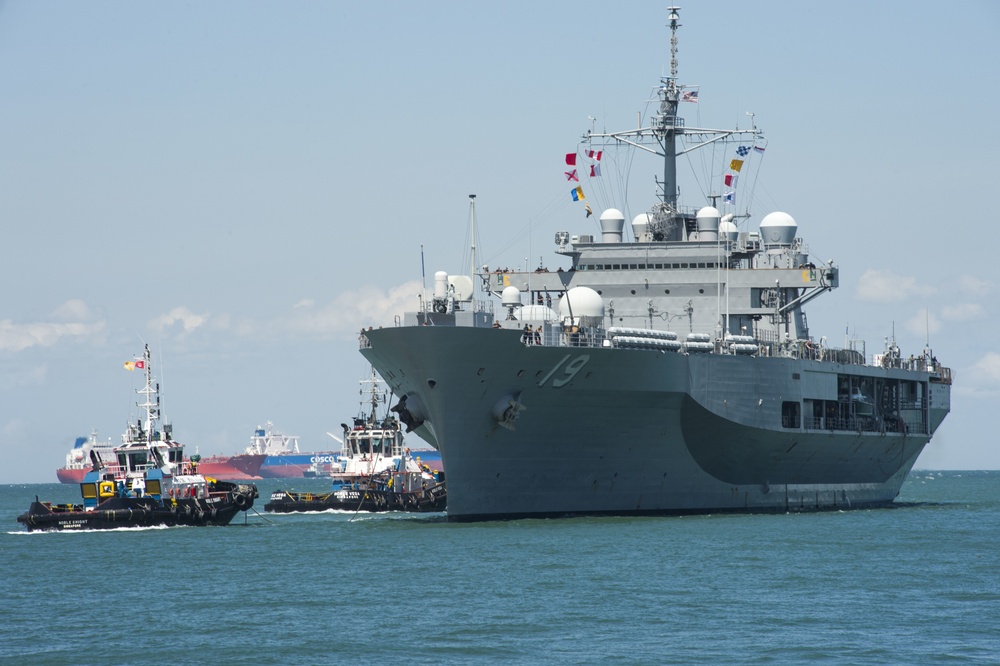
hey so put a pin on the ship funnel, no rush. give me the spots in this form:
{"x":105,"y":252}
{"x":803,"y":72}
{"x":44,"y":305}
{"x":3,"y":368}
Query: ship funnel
{"x":708,"y":224}
{"x":612,"y":223}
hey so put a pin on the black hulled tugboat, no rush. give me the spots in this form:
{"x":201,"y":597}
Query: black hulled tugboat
{"x":406,"y":486}
{"x":375,"y":472}
{"x":148,"y":484}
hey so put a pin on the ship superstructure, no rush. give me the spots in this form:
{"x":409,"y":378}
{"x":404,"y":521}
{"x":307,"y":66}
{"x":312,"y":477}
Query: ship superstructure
{"x":669,"y":369}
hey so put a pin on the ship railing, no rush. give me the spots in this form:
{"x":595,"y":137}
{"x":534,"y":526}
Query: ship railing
{"x":941,"y":375}
{"x":890,"y":424}
{"x":363,"y":341}
{"x":812,"y":423}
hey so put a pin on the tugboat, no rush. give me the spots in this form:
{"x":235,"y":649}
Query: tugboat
{"x":148,"y":484}
{"x":406,"y":486}
{"x":375,"y":472}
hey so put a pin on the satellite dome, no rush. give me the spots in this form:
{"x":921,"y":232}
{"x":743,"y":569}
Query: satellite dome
{"x":462,"y":284}
{"x":536,"y":313}
{"x":581,"y":305}
{"x":510,"y":296}
{"x":640,"y":223}
{"x":778,"y":229}
{"x":728,"y":230}
{"x":612,"y":214}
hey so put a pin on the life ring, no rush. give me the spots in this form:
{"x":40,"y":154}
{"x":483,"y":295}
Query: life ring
{"x":106,"y":489}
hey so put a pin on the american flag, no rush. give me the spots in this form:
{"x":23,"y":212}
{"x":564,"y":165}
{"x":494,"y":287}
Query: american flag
{"x":690,"y":96}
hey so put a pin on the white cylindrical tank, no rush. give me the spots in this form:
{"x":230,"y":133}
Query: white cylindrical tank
{"x":708,"y":224}
{"x":441,"y":285}
{"x":612,"y":223}
{"x":777,"y":229}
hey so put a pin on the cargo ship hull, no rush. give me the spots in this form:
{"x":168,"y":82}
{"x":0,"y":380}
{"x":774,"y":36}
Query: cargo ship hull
{"x":295,"y":465}
{"x":243,"y":467}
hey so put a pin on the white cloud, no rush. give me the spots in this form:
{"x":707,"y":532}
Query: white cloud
{"x":188,"y":320}
{"x":985,"y":373}
{"x":975,"y":286}
{"x":72,"y":310}
{"x":887,"y":287}
{"x":363,"y":307}
{"x":72,"y":322}
{"x":923,"y":323}
{"x":962,"y":312}
{"x":348,"y":312}
{"x":18,"y":377}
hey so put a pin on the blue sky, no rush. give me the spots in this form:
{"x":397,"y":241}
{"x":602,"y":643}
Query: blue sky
{"x":243,"y":185}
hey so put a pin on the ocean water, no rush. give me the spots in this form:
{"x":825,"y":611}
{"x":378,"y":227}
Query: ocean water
{"x":918,"y":583}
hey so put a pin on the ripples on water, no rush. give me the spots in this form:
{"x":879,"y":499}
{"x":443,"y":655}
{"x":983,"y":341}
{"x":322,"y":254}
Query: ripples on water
{"x":917,"y":583}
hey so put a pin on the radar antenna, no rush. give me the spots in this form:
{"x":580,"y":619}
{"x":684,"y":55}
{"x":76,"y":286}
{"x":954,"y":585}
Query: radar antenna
{"x":662,"y":221}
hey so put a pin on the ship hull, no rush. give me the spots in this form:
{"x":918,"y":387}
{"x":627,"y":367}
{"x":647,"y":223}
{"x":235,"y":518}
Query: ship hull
{"x":431,"y":499}
{"x":613,"y":431}
{"x":122,"y":512}
{"x":67,"y":475}
{"x":295,"y":465}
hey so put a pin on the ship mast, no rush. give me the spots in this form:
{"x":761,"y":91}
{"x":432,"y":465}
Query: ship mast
{"x":152,"y":408}
{"x":472,"y":236}
{"x":666,"y":121}
{"x":373,"y":393}
{"x":660,"y":137}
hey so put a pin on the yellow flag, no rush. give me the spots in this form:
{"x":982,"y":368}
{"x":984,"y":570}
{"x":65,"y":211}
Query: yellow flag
{"x":130,"y":365}
{"x":736,"y":165}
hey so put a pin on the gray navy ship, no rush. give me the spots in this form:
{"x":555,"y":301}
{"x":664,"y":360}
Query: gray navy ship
{"x":671,"y":371}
